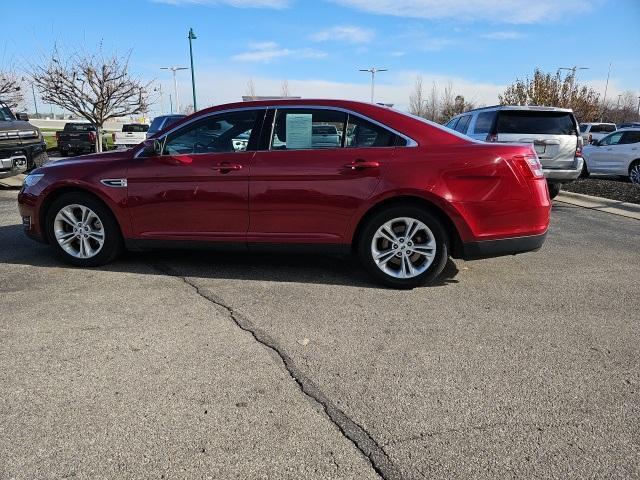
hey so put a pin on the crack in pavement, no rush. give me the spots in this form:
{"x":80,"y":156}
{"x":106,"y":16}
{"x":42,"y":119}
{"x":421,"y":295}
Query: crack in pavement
{"x":362,"y":440}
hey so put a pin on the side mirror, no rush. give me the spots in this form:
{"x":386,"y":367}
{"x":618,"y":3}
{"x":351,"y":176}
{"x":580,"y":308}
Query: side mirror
{"x":22,"y":116}
{"x":152,"y":147}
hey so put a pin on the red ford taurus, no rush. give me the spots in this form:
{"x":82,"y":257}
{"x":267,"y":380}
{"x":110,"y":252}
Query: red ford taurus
{"x":402,"y":193}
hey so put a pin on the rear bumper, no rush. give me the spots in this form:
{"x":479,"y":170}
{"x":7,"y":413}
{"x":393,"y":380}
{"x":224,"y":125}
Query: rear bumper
{"x":564,"y":175}
{"x":505,"y":246}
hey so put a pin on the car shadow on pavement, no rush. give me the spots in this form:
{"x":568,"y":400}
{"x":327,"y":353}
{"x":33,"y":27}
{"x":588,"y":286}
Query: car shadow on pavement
{"x":294,"y":268}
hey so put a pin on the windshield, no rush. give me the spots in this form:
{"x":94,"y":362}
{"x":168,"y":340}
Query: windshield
{"x":535,"y":122}
{"x":5,"y":114}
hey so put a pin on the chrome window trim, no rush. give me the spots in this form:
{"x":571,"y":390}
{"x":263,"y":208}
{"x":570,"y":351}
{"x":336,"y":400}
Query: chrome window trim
{"x":410,"y":141}
{"x":163,"y":138}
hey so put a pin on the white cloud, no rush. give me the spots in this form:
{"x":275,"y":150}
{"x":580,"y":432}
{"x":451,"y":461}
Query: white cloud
{"x":504,"y":35}
{"x":344,"y":33}
{"x":277,"y":4}
{"x":509,"y":11}
{"x":268,"y":51}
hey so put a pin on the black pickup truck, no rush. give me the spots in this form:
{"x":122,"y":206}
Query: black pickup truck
{"x":76,"y":138}
{"x":22,"y":146}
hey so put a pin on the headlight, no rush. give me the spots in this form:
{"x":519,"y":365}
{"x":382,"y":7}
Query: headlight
{"x":32,"y":179}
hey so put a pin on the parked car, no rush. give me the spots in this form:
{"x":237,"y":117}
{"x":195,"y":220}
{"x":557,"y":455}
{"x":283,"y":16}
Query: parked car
{"x":325,"y":136}
{"x":22,"y":146}
{"x":595,"y":131}
{"x":403,"y":196}
{"x":131,"y":135}
{"x":552,"y":131}
{"x":76,"y":138}
{"x":162,"y":121}
{"x":629,"y":125}
{"x":616,"y":154}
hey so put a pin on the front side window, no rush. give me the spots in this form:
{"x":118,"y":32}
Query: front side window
{"x":226,"y":132}
{"x":612,"y":139}
{"x":452,"y":123}
{"x":304,"y":129}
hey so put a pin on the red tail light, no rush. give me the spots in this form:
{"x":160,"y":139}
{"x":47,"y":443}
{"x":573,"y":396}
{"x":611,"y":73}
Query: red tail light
{"x":92,"y":136}
{"x":492,"y":137}
{"x":529,"y":166}
{"x":579,"y":148}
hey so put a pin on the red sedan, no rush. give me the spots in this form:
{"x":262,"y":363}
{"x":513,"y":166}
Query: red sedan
{"x":402,"y":193}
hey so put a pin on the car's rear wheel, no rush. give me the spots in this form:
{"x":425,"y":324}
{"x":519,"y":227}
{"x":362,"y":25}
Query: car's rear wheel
{"x":403,"y":247}
{"x":554,"y":189}
{"x":82,"y":230}
{"x":585,"y":170}
{"x":634,"y":172}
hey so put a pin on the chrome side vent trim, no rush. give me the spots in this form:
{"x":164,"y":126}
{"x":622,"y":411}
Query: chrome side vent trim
{"x":114,"y":182}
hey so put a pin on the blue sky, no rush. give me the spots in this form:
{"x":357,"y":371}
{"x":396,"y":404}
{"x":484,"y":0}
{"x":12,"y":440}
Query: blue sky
{"x":318,"y":45}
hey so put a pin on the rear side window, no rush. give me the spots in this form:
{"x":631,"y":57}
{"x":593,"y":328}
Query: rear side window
{"x":463,"y":124}
{"x":630,"y":137}
{"x":362,"y":133}
{"x":452,"y":123}
{"x":536,"y":122}
{"x":484,"y":122}
{"x":303,"y":129}
{"x":135,"y":128}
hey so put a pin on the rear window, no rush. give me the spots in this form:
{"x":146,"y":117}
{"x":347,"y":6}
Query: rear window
{"x":535,"y":122}
{"x":78,"y":127}
{"x":135,"y":127}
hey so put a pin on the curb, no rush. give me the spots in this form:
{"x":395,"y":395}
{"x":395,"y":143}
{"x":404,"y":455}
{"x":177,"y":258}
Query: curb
{"x":623,"y":209}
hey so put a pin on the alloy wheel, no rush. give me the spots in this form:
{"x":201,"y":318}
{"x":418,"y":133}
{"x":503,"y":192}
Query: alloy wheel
{"x":79,"y":231}
{"x":403,"y":247}
{"x":634,"y":174}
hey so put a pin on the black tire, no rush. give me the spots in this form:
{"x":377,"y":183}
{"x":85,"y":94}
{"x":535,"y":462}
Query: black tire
{"x":438,"y":231}
{"x":585,"y":171}
{"x":112,"y":238}
{"x":40,"y":159}
{"x":634,"y":172}
{"x":554,"y":189}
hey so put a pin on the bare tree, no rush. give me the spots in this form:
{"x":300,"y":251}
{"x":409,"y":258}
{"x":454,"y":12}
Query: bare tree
{"x":554,"y":91}
{"x":623,"y":108}
{"x":11,"y":89}
{"x":92,"y":86}
{"x":284,"y":88}
{"x":251,"y":89}
{"x":416,"y":98}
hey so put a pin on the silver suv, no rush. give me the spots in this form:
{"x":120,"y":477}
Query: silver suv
{"x":552,"y":131}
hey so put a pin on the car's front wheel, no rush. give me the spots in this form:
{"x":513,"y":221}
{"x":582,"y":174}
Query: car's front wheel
{"x":403,"y":247}
{"x":554,"y":189}
{"x":82,"y":230}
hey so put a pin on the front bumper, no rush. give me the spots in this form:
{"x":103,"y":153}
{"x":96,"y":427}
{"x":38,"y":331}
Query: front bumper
{"x":564,"y":175}
{"x":13,"y":165}
{"x":505,"y":246}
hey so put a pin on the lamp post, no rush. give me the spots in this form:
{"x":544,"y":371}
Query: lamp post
{"x":373,"y":71}
{"x":175,"y":84}
{"x":573,"y":76}
{"x":159,"y":90}
{"x":192,"y":36}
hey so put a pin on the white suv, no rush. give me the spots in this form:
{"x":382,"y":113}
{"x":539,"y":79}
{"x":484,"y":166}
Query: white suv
{"x":595,"y":131}
{"x":552,"y":131}
{"x":616,"y":154}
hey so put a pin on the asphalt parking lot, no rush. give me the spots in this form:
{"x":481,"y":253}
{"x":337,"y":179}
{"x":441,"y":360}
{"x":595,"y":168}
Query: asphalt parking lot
{"x":204,"y":365}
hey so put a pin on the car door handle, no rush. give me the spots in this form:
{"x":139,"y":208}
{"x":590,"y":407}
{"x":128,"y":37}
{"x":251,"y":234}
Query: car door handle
{"x":225,"y":167}
{"x":362,"y":164}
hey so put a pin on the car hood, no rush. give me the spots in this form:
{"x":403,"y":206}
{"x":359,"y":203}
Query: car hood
{"x":16,"y":125}
{"x":94,"y":159}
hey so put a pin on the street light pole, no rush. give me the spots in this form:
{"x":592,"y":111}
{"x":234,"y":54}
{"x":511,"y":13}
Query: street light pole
{"x":604,"y":99}
{"x":192,"y":36}
{"x":35,"y":104}
{"x":159,"y":90}
{"x":373,"y":71}
{"x":175,"y":84}
{"x":573,"y":76}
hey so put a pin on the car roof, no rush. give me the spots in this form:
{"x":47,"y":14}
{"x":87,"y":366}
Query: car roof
{"x":538,"y":108}
{"x":597,"y":123}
